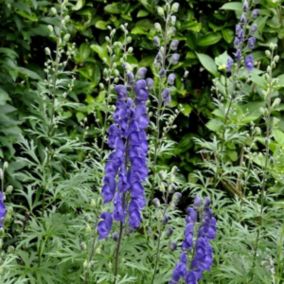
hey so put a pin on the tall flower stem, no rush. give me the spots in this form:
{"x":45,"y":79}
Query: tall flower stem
{"x":117,"y":251}
{"x":157,"y":253}
{"x":160,"y":99}
{"x":268,"y":122}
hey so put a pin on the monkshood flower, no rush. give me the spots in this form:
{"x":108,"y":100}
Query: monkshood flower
{"x":105,"y":224}
{"x":126,"y":167}
{"x":249,"y":62}
{"x":3,"y":210}
{"x":202,"y":253}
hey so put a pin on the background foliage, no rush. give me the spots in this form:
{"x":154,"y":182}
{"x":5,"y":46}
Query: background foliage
{"x":52,"y":109}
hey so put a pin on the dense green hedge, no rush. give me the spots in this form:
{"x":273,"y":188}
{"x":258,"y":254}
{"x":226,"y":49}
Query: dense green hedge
{"x":205,"y":30}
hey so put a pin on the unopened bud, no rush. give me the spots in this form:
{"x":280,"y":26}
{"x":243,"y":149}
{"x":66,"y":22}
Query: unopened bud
{"x":276,"y":102}
{"x":156,"y":202}
{"x":9,"y":189}
{"x":66,"y":37}
{"x":175,"y":7}
{"x":53,"y":11}
{"x":268,"y":53}
{"x":169,"y":232}
{"x":173,"y":246}
{"x":161,"y":11}
{"x":158,"y":27}
{"x":5,"y":165}
{"x":50,"y":28}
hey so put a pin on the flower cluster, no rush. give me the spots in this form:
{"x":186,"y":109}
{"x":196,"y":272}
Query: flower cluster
{"x":126,"y":168}
{"x":203,"y":254}
{"x":245,"y":40}
{"x":3,"y":210}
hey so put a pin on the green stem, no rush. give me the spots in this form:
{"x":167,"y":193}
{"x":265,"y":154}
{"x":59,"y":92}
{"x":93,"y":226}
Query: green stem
{"x":90,"y":257}
{"x":158,"y":249}
{"x":117,"y":251}
{"x":265,"y":170}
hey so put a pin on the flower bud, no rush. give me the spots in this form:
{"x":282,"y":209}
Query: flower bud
{"x":169,"y":232}
{"x":5,"y":165}
{"x":53,"y":11}
{"x":174,"y":58}
{"x":156,"y":202}
{"x":141,"y":73}
{"x":174,"y":44}
{"x":50,"y":28}
{"x":47,"y":51}
{"x":161,"y":11}
{"x":175,"y":7}
{"x":276,"y":102}
{"x":130,"y":77}
{"x":166,"y":95}
{"x":156,"y":41}
{"x":173,"y":246}
{"x":255,"y":13}
{"x":173,"y":20}
{"x":166,"y":219}
{"x":115,"y":236}
{"x":171,"y":79}
{"x":9,"y":189}
{"x":158,"y":27}
{"x":66,"y":37}
{"x":150,"y":83}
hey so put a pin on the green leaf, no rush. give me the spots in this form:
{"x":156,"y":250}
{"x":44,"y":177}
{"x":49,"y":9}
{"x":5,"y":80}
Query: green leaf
{"x":186,"y":109}
{"x":83,"y":53}
{"x":221,"y":60}
{"x":280,"y":79}
{"x":101,"y":51}
{"x":29,"y":73}
{"x":142,"y":27}
{"x":142,"y":13}
{"x":102,"y":25}
{"x":214,"y":125}
{"x":235,"y":6}
{"x":279,"y":136}
{"x":79,"y":5}
{"x":208,"y":63}
{"x":114,"y":8}
{"x":209,"y":39}
{"x":228,"y":35}
{"x":4,"y":97}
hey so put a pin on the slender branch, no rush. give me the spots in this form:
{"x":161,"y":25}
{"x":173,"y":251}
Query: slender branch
{"x":117,"y":250}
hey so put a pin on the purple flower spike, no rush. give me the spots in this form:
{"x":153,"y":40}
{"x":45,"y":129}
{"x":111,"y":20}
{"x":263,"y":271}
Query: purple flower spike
{"x":180,"y":270}
{"x":3,"y":210}
{"x":126,"y":168}
{"x":201,"y":248}
{"x":104,"y":226}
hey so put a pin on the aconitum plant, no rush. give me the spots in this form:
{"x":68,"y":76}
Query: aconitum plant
{"x":202,"y":253}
